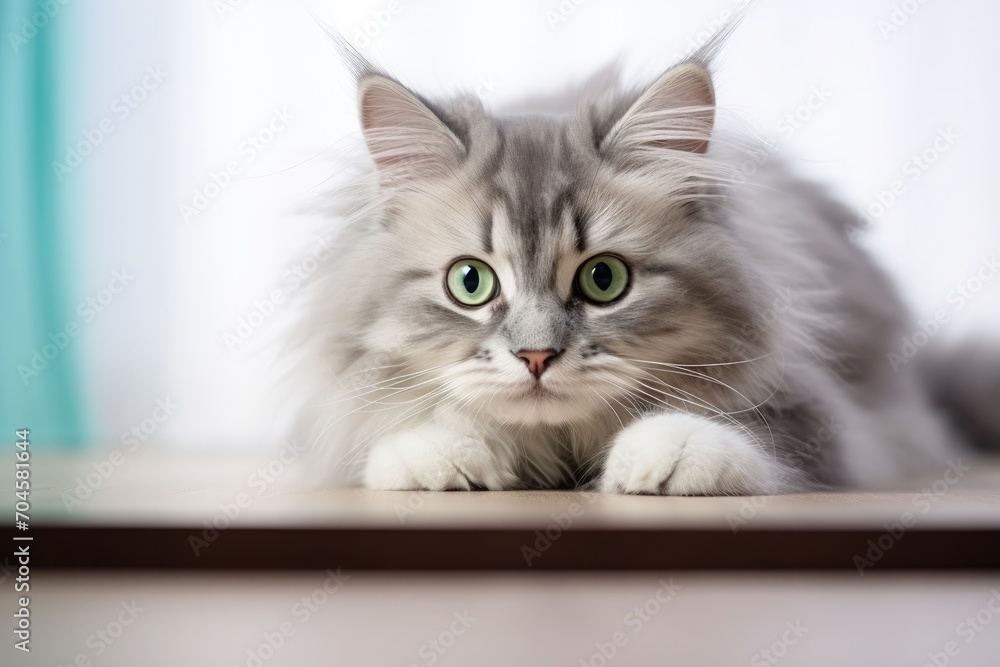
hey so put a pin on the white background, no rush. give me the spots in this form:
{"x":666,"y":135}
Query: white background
{"x":228,"y":70}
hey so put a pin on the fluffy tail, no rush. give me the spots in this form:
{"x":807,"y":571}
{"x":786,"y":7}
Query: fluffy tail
{"x":965,"y":383}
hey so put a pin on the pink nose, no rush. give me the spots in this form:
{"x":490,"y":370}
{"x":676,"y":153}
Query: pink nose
{"x":537,"y":360}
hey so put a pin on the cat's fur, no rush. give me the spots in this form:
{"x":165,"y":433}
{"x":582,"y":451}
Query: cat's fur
{"x":748,"y":355}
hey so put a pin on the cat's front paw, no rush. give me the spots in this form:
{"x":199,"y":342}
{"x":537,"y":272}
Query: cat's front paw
{"x":434,"y":459}
{"x":679,"y":454}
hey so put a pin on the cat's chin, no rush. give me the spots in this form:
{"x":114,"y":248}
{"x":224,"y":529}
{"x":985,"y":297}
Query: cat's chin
{"x":537,"y":405}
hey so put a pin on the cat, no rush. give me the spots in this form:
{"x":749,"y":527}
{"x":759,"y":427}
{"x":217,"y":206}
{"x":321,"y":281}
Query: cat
{"x":603,"y":300}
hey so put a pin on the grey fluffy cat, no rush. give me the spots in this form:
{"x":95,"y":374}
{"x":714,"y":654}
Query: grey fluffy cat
{"x":599,"y":299}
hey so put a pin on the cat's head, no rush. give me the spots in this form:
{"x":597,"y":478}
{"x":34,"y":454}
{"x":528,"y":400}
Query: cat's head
{"x":537,"y":269}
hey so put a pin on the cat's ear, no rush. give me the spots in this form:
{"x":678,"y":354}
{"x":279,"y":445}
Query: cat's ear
{"x":676,"y":112}
{"x":405,"y":137}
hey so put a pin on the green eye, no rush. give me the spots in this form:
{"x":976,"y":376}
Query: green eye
{"x":603,"y":279}
{"x":472,"y":282}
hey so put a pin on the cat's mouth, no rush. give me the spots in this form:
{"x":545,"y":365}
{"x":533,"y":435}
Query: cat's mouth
{"x":538,"y":391}
{"x":538,"y":403}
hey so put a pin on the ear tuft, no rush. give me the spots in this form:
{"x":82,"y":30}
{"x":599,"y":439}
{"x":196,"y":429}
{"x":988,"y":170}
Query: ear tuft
{"x":676,"y":113}
{"x":405,"y":137}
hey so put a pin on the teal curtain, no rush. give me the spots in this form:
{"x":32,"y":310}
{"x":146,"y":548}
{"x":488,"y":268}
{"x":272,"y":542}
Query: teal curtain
{"x":40,"y":244}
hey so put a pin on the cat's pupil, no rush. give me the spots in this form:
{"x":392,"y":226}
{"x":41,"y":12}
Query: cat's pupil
{"x":602,"y":276}
{"x":471,"y":279}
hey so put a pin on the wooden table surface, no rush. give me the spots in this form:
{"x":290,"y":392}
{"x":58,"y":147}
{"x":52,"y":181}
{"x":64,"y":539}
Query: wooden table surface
{"x":302,"y":577}
{"x":213,"y":512}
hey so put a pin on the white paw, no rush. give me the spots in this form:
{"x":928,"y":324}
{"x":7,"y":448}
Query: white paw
{"x":434,"y":459}
{"x":679,"y":454}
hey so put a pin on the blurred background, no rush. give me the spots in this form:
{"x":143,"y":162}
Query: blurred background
{"x":159,"y":161}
